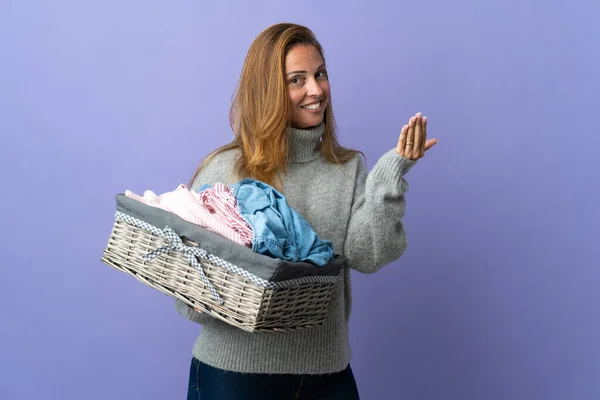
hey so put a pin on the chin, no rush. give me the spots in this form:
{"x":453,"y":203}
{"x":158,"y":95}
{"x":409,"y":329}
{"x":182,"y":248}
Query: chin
{"x":310,"y":122}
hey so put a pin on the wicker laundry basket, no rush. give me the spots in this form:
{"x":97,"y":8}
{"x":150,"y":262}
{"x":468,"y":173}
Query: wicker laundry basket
{"x":178,"y":267}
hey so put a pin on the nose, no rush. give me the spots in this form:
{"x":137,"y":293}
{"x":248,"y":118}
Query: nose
{"x":314,"y":88}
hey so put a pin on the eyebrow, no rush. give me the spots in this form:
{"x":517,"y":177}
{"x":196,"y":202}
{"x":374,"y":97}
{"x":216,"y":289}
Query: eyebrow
{"x":304,"y":72}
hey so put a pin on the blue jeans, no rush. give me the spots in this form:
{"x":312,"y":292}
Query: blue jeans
{"x":209,"y":383}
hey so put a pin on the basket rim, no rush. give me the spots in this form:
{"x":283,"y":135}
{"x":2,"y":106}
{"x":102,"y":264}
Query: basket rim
{"x":213,"y":259}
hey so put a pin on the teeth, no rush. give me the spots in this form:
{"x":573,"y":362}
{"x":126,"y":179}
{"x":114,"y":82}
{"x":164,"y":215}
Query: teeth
{"x":312,"y":106}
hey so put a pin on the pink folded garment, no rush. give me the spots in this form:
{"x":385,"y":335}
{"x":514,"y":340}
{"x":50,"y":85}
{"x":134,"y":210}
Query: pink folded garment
{"x":220,"y":200}
{"x":215,"y":210}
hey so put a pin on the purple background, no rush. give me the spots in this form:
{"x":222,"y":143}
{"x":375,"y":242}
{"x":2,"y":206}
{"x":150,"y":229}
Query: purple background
{"x":497,"y":295}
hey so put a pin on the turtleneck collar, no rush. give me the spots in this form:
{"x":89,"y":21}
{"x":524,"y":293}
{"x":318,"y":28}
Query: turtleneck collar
{"x":305,"y":144}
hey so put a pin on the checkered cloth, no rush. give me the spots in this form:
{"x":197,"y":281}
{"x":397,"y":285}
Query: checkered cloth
{"x":191,"y":253}
{"x":168,"y":234}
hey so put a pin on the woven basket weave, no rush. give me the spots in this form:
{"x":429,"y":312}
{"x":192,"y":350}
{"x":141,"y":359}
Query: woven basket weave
{"x":245,"y":304}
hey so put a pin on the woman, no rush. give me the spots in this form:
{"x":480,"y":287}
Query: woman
{"x":283,"y":122}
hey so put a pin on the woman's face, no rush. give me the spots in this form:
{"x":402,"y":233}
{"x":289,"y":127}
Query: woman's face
{"x":307,"y":84}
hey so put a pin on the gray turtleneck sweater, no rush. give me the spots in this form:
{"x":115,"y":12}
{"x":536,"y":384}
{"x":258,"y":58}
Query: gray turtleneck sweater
{"x":359,"y":212}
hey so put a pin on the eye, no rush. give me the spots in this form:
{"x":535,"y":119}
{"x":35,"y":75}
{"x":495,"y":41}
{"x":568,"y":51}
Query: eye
{"x":321,"y":75}
{"x":297,"y":80}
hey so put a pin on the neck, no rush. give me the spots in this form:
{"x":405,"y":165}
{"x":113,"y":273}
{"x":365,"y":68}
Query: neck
{"x":305,"y":144}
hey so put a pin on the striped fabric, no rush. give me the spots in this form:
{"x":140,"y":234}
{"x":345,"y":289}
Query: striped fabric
{"x":219,"y":199}
{"x":190,"y":206}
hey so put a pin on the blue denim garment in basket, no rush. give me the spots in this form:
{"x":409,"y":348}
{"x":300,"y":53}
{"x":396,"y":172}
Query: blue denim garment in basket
{"x":279,"y":230}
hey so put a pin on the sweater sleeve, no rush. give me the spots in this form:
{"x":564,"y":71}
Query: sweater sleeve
{"x":219,"y":170}
{"x":376,"y":234}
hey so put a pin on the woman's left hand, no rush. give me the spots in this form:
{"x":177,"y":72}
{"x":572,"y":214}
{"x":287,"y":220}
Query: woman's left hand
{"x":413,"y":142}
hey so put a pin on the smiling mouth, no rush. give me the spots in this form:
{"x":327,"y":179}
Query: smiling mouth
{"x":312,"y":106}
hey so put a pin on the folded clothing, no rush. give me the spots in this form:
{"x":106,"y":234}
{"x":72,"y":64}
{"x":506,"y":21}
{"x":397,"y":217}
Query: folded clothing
{"x":278,"y":230}
{"x":261,"y":265}
{"x":220,"y":201}
{"x":214,"y":209}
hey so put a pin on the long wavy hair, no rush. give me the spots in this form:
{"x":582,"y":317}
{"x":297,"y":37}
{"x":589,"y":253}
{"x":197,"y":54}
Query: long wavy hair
{"x":260,"y":112}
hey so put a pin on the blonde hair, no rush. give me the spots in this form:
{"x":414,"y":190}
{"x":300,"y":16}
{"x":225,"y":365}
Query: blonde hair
{"x":260,"y":112}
